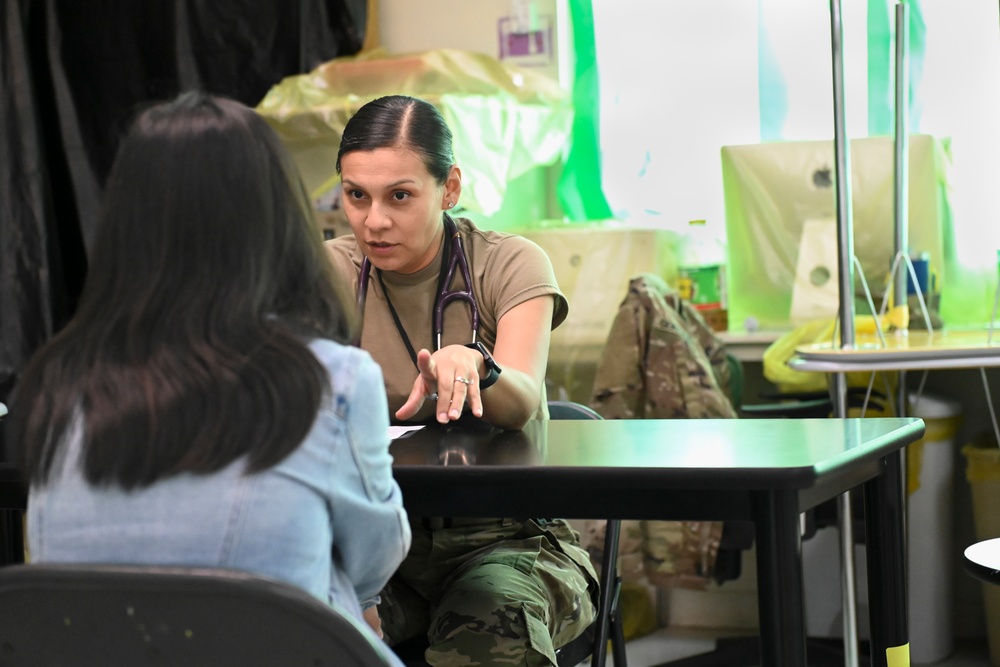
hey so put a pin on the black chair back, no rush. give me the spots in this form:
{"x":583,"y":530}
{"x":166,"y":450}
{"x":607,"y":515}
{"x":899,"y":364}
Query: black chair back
{"x":593,"y":643}
{"x":13,"y":500}
{"x":72,"y":615}
{"x":571,"y":410}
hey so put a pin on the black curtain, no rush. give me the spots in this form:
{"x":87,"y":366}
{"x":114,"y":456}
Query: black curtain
{"x":72,"y":74}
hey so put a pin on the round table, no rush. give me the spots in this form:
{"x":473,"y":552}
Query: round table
{"x":982,"y":560}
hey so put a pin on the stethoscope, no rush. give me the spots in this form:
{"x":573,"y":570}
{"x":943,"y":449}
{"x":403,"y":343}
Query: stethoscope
{"x":453,"y":256}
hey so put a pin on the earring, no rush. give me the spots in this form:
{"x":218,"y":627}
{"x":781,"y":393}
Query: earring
{"x":451,"y":204}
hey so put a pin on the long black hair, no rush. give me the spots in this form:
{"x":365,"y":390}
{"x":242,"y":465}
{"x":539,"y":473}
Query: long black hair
{"x":189,"y":346}
{"x":405,"y":122}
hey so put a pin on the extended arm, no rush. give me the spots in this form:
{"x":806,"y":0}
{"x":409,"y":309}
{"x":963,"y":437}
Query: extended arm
{"x":521,"y":350}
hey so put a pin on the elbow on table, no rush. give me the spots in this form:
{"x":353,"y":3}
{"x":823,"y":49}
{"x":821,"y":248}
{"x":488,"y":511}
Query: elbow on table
{"x":513,"y":417}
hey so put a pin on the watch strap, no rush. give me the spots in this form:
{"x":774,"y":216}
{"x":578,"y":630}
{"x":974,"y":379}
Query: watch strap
{"x":492,"y":368}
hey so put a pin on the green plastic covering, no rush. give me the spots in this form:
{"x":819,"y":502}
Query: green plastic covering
{"x":781,"y":214}
{"x":881,"y":61}
{"x":881,"y":65}
{"x":773,"y":91}
{"x":505,"y":120}
{"x":580,"y":190}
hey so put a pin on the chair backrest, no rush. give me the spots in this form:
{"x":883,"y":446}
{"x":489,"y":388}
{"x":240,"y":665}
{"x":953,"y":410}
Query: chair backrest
{"x":105,"y":614}
{"x":571,"y":410}
{"x":583,"y":647}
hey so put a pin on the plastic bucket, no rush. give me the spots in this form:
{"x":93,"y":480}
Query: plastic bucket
{"x":982,"y":470}
{"x":930,"y":471}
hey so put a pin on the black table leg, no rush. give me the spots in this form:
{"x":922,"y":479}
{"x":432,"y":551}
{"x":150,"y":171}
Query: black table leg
{"x":779,"y":580}
{"x":11,"y":537}
{"x":886,"y":549}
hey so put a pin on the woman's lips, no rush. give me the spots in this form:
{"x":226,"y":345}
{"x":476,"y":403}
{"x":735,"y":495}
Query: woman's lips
{"x":381,"y":248}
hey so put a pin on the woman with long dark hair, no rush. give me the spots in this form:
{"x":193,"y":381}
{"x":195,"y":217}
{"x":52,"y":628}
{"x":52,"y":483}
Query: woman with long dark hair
{"x":205,"y":406}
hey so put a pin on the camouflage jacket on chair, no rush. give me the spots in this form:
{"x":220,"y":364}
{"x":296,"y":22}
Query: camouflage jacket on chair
{"x":662,"y":361}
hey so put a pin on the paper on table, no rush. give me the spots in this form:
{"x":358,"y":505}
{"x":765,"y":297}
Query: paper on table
{"x":400,"y":431}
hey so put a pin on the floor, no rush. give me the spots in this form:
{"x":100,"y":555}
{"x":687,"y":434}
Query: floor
{"x":669,"y":645}
{"x":969,"y":653}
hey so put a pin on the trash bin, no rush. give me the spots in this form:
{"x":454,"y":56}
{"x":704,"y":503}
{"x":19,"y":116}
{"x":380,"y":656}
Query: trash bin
{"x":930,"y":497}
{"x":982,"y":470}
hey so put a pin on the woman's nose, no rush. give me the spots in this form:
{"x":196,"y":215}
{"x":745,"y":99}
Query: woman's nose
{"x":377,"y":218}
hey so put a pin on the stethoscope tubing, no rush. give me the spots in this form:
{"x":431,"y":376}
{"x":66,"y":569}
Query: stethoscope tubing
{"x":444,"y":297}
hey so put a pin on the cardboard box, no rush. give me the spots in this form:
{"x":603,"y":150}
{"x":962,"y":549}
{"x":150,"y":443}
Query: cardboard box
{"x":594,"y":264}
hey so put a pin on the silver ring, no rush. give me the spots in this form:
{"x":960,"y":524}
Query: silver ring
{"x":431,"y":397}
{"x":459,"y":378}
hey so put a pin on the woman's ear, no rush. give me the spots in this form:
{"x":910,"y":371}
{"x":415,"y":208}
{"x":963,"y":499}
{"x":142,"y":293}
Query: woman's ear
{"x":452,"y":188}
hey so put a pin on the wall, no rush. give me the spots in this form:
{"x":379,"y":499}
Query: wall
{"x":408,"y":26}
{"x":476,"y":25}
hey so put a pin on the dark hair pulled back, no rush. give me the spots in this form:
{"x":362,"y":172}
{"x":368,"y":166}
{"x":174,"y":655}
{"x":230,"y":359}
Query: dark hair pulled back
{"x":400,"y":121}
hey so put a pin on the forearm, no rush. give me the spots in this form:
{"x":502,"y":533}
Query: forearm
{"x":522,"y":352}
{"x":512,"y":401}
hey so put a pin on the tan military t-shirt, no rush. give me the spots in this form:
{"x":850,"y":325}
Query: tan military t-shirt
{"x":506,"y":270}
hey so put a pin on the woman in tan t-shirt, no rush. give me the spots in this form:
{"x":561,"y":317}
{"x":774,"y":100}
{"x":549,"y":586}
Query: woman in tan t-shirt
{"x":482,"y":591}
{"x":399,"y":183}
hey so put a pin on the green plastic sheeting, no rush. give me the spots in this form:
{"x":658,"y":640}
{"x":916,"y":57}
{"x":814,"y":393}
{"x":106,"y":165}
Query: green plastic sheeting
{"x":505,"y":120}
{"x":881,"y":65}
{"x":780,"y":213}
{"x":580,"y":190}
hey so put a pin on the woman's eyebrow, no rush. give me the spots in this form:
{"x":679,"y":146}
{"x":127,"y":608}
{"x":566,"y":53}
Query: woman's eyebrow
{"x":394,"y":184}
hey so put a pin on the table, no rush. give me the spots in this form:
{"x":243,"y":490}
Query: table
{"x":982,"y":560}
{"x":902,"y":352}
{"x":766,"y":471}
{"x":749,"y":346}
{"x":913,"y":350}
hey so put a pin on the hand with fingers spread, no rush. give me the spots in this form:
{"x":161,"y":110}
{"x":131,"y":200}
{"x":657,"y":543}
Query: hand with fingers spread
{"x":451,"y":376}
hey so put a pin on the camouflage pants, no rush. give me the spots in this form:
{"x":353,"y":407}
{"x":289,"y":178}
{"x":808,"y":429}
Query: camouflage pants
{"x":500,"y":592}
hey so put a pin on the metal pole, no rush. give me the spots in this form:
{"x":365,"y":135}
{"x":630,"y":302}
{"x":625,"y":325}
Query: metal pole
{"x":845,"y":224}
{"x":845,"y":255}
{"x":901,"y":202}
{"x":901,"y":156}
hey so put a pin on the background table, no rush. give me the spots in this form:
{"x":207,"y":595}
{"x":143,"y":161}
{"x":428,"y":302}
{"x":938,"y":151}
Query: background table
{"x":766,"y":471}
{"x":913,"y":350}
{"x":982,"y":560}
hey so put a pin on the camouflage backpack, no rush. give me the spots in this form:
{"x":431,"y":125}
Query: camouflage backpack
{"x":662,"y":361}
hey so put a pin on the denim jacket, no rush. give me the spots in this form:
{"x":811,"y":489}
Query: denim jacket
{"x":328,"y":518}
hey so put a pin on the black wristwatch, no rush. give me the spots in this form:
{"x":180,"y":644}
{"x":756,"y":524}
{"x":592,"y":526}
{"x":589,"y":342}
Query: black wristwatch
{"x":493,"y":369}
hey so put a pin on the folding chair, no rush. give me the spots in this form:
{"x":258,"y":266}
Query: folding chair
{"x":75,"y":614}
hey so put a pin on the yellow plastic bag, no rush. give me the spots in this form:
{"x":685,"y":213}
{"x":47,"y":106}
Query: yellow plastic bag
{"x":777,"y":355}
{"x":787,"y":379}
{"x":505,"y":120}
